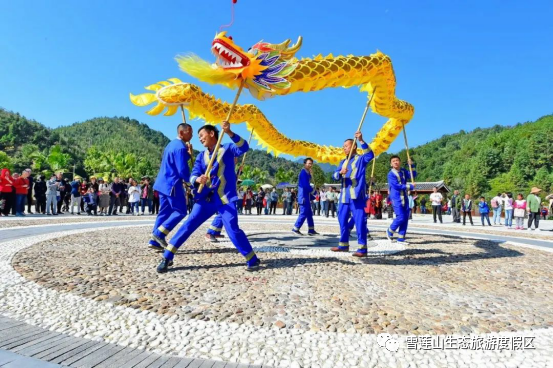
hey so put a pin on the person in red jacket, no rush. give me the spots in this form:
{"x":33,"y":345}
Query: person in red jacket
{"x":21,"y":183}
{"x":6,"y":192}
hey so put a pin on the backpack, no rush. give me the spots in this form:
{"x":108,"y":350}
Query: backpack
{"x":494,"y":203}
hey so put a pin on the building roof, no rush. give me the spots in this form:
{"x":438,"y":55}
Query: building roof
{"x":425,"y":186}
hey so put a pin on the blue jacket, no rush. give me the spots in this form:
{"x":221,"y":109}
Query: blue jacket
{"x":89,"y":198}
{"x":398,"y":185}
{"x":222,"y":179}
{"x":483,"y":208}
{"x":354,"y":183}
{"x":75,"y":188}
{"x":174,"y":168}
{"x":304,"y":187}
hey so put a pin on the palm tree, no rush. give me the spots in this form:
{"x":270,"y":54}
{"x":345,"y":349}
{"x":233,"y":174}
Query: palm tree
{"x":57,"y":160}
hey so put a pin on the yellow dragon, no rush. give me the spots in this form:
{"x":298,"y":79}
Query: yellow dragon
{"x":272,"y":69}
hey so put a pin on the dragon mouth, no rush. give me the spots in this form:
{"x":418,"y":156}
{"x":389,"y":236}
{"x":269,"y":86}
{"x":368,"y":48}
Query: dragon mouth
{"x":228,"y":57}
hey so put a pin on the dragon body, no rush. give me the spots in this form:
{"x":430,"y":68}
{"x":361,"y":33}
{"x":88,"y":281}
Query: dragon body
{"x":269,"y":70}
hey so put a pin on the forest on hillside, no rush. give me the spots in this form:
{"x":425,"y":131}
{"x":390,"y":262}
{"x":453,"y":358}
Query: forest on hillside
{"x":483,"y":161}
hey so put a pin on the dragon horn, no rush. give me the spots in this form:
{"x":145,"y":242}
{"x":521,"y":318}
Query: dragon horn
{"x":282,"y":46}
{"x":293,"y":49}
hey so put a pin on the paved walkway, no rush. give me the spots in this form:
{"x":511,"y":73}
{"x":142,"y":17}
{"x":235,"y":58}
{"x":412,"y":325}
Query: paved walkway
{"x":24,"y":345}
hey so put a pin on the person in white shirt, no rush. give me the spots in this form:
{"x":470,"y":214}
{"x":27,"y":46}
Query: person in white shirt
{"x":508,"y":204}
{"x":496,"y":203}
{"x":324,"y":203}
{"x":134,"y":197}
{"x":436,"y":199}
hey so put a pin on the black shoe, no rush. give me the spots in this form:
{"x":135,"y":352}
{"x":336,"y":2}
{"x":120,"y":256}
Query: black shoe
{"x":297,"y":232}
{"x":254,"y":267}
{"x":160,"y":240}
{"x":156,"y":247}
{"x":313,"y":233}
{"x":164,"y":266}
{"x":211,"y":238}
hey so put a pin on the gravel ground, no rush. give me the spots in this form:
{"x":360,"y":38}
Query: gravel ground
{"x":439,"y":285}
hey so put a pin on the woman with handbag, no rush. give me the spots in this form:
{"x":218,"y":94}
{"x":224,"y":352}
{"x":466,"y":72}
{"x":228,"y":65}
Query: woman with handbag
{"x":519,"y":211}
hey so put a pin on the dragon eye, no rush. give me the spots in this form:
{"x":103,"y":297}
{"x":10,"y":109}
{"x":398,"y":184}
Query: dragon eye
{"x":230,"y":38}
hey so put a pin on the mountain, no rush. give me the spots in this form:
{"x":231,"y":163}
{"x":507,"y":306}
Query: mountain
{"x":483,"y":161}
{"x":327,"y":168}
{"x":486,"y":161}
{"x":120,"y":133}
{"x":270,"y":163}
{"x":24,"y":140}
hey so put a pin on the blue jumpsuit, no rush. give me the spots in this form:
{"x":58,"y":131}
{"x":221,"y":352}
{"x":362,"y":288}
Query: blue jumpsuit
{"x":173,"y":174}
{"x":216,"y":225}
{"x":219,"y":196}
{"x":304,"y":201}
{"x":398,"y":187}
{"x":353,"y":198}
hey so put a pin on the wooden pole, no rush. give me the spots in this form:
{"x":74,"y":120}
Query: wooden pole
{"x":359,"y":128}
{"x":187,"y":143}
{"x":244,"y":158}
{"x":216,"y":149}
{"x":372,"y":175}
{"x":408,"y":157}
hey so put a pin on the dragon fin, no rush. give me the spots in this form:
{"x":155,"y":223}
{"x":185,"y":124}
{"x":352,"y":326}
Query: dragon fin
{"x":143,"y":99}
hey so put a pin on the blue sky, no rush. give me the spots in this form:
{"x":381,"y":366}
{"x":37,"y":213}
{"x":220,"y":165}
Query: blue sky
{"x":462,"y":64}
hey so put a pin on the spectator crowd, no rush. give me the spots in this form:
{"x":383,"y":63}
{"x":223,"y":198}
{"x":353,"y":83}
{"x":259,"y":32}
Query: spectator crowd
{"x":99,"y":197}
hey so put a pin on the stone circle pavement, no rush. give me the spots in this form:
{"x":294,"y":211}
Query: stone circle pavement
{"x":307,"y":307}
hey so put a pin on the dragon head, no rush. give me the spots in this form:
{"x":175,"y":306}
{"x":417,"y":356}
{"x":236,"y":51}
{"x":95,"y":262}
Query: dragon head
{"x":264,"y":66}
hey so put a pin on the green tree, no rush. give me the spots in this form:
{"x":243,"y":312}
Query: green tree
{"x":285,"y":176}
{"x":319,"y":176}
{"x":57,"y":160}
{"x":5,"y":161}
{"x":542,"y":180}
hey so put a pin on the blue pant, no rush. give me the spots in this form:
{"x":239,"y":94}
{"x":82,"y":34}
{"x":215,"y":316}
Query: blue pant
{"x":203,"y":210}
{"x":487,"y":217}
{"x":509,"y":218}
{"x":172,"y":210}
{"x":20,"y":203}
{"x":357,"y":210}
{"x":216,"y":225}
{"x":305,"y":214}
{"x":133,"y":206}
{"x":497,"y":215}
{"x":399,"y":225}
{"x":146,"y":201}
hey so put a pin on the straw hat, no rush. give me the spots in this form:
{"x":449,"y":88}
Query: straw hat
{"x":535,"y":190}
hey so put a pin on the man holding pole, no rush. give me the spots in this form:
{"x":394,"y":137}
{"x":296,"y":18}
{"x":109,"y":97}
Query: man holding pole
{"x":353,"y":196}
{"x":398,"y":188}
{"x":216,"y":193}
{"x":214,"y":230}
{"x":304,"y":199}
{"x":173,"y":173}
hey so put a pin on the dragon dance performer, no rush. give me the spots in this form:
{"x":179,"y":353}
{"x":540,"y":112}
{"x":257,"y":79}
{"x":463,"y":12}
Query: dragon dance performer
{"x":218,"y":195}
{"x":214,"y":230}
{"x":304,"y":199}
{"x":353,"y":196}
{"x":173,"y":174}
{"x":398,"y":187}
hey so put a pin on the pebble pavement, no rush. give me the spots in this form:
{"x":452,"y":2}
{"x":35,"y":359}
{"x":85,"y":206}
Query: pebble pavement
{"x":307,"y":307}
